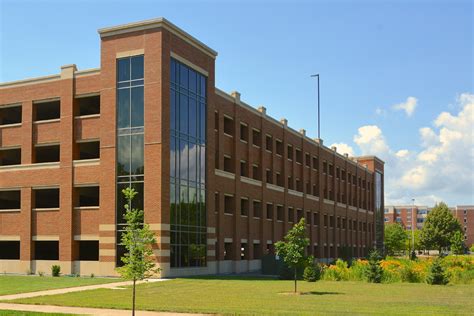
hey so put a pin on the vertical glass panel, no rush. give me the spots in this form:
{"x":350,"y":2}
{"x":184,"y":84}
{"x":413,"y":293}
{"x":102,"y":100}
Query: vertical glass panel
{"x":184,"y":162}
{"x":123,"y":69}
{"x":173,"y":157}
{"x":172,"y":204}
{"x":183,"y":76}
{"x":202,"y":163}
{"x":203,"y":86}
{"x":123,"y":112}
{"x":137,"y":67}
{"x":202,"y":122}
{"x":183,"y":114}
{"x":193,"y":81}
{"x":137,"y":154}
{"x":193,"y":116}
{"x":173,"y":110}
{"x":183,"y":205}
{"x":173,"y":71}
{"x":192,"y":207}
{"x":121,"y":202}
{"x":138,"y":201}
{"x":193,"y":162}
{"x":137,"y":107}
{"x":123,"y":155}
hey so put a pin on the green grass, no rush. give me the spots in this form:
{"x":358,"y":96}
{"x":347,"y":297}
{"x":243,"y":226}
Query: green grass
{"x":14,"y":284}
{"x":22,"y":313}
{"x":266,"y":296}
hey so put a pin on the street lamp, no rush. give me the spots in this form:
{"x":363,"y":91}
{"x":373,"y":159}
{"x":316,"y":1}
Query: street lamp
{"x":319,"y":121}
{"x":412,"y":228}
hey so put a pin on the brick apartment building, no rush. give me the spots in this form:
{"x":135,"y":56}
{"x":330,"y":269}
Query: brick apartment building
{"x":415,"y":215}
{"x":220,"y":181}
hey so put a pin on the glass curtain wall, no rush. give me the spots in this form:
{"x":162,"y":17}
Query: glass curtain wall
{"x":130,"y":144}
{"x":187,"y":166}
{"x":379,"y":213}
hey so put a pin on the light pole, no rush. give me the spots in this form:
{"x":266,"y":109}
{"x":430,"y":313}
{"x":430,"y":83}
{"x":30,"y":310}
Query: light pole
{"x":319,"y":116}
{"x":412,"y":228}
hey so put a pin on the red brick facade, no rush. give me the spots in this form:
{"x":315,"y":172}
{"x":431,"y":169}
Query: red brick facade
{"x":283,"y":170}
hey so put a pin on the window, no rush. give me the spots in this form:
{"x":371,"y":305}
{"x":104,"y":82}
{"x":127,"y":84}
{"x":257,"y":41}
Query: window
{"x":343,"y":175}
{"x":269,"y":211}
{"x":228,"y":251}
{"x":291,"y":215}
{"x":9,"y":250}
{"x":244,"y":206}
{"x":299,"y":185}
{"x":216,"y":202}
{"x":228,"y":166}
{"x":88,"y":196}
{"x":316,"y":219}
{"x":10,"y":114}
{"x":216,"y":121}
{"x":338,"y":222}
{"x":279,"y":147}
{"x":307,"y":160}
{"x":315,"y":163}
{"x":257,"y":251}
{"x":244,"y":132}
{"x":89,"y":149}
{"x":10,"y":199}
{"x":244,"y":168}
{"x":88,"y":105}
{"x":10,"y":156}
{"x":46,"y":153}
{"x":331,"y":170}
{"x":269,"y":176}
{"x":89,"y":250}
{"x":279,"y":179}
{"x":256,"y":139}
{"x":337,"y":173}
{"x":299,"y":156}
{"x":299,"y":215}
{"x":229,"y":204}
{"x":256,"y":172}
{"x":325,"y":167}
{"x":290,"y":182}
{"x":308,"y":187}
{"x":46,"y":198}
{"x":325,"y":220}
{"x":308,"y":217}
{"x":257,"y":209}
{"x":46,"y":250}
{"x":228,"y":126}
{"x":268,"y":143}
{"x":290,"y":152}
{"x":280,"y":212}
{"x":49,"y":110}
{"x":315,"y":190}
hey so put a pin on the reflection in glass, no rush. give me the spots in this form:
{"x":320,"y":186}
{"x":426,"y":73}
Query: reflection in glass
{"x":137,"y":107}
{"x":123,"y":115}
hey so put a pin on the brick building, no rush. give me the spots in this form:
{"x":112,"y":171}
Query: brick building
{"x":415,"y":215}
{"x":220,"y":181}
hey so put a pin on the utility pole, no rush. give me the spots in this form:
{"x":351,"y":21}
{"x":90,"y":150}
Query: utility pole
{"x":319,"y":112}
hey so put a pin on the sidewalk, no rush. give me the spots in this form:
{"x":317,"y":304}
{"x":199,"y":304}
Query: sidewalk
{"x":84,"y":310}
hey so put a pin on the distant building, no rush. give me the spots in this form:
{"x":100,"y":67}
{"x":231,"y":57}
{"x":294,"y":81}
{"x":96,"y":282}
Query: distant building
{"x":414,"y":216}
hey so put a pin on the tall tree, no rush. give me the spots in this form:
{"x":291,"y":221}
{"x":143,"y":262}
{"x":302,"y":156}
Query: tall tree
{"x":292,"y":249}
{"x":439,"y":228}
{"x":394,"y":238}
{"x":457,"y":243}
{"x":138,"y":239}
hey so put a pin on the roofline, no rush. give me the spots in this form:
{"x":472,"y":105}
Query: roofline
{"x":152,"y":24}
{"x":370,"y":157}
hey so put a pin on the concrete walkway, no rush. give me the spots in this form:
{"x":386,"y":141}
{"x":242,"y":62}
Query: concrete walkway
{"x":75,"y":289}
{"x":84,"y":310}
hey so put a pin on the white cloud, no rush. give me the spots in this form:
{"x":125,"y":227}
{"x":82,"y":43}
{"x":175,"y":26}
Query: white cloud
{"x":408,"y":106}
{"x":343,"y":148}
{"x":380,"y":111}
{"x":443,"y":167}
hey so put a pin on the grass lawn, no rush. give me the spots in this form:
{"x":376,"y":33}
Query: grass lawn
{"x":13,"y":284}
{"x":234,"y":295}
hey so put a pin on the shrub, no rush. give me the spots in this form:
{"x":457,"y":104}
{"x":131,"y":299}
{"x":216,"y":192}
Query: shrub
{"x":40,"y":273}
{"x":357,"y":270}
{"x":92,"y":275}
{"x":374,"y":271}
{"x":472,"y":248}
{"x":409,"y":274}
{"x":312,"y":273}
{"x":437,"y":274}
{"x":55,"y":270}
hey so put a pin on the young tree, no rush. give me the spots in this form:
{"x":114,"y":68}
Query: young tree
{"x":439,"y":227}
{"x":374,"y":271}
{"x":293,"y":247}
{"x":457,"y":243}
{"x":395,"y":238}
{"x":436,"y":274}
{"x":138,"y":240}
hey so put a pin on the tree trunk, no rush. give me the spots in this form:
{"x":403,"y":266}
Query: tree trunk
{"x":295,"y":279}
{"x":133,"y":298}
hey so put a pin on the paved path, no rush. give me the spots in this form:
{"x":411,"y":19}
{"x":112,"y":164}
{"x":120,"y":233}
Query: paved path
{"x":84,"y":310}
{"x":74,"y":289}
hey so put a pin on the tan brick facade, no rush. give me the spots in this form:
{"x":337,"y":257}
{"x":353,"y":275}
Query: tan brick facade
{"x":334,"y":192}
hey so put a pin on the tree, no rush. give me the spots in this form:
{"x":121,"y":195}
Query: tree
{"x":394,"y":238}
{"x":374,"y":271}
{"x":436,"y":274}
{"x":457,"y":243}
{"x":292,"y":249}
{"x":439,"y":228}
{"x":138,"y":240}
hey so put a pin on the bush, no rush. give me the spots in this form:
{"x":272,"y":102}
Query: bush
{"x":472,"y":248}
{"x":409,"y":274}
{"x":40,"y":273}
{"x":55,"y":270}
{"x":312,"y":273}
{"x":437,"y":274}
{"x":374,"y":272}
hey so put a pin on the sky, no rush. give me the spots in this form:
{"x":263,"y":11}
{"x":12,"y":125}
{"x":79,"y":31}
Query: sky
{"x":396,"y":77}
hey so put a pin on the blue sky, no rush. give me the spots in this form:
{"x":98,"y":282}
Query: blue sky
{"x":371,"y":55}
